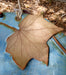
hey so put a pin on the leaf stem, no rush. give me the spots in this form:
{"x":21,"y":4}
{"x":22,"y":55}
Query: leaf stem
{"x":8,"y":26}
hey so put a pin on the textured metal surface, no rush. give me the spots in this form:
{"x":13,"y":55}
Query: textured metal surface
{"x":57,"y":58}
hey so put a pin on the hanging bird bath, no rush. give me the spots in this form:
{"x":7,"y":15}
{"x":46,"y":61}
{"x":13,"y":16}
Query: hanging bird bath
{"x":57,"y":56}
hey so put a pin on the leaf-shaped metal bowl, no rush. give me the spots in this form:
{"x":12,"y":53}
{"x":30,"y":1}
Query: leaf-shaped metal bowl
{"x":57,"y":58}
